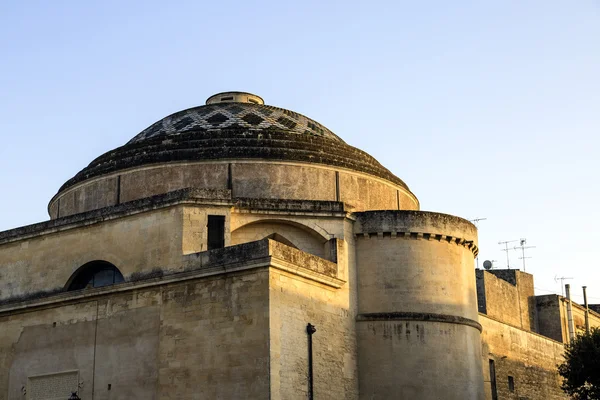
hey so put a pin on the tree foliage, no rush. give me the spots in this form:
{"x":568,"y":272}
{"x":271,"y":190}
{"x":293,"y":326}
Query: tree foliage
{"x":581,"y":369}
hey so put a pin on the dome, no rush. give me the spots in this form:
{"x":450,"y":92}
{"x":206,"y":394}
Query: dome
{"x":229,"y":110}
{"x":230,"y":127}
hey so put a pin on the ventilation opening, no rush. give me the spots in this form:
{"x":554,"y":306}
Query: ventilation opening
{"x":216,"y":232}
{"x":253,"y":101}
{"x":227,"y":98}
{"x":511,"y":383}
{"x":95,"y":274}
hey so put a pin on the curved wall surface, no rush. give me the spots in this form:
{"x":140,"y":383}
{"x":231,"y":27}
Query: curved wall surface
{"x":252,"y":179}
{"x":417,"y":306}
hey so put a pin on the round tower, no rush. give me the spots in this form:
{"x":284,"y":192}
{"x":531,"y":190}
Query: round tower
{"x":417,"y":330}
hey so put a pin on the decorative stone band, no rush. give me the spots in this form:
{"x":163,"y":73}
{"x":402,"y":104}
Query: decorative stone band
{"x":415,"y":316}
{"x":469,"y":244}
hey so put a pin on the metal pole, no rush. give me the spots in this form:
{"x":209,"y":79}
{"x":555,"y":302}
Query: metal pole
{"x":570,"y":313}
{"x":310,"y":330}
{"x":587,"y":310}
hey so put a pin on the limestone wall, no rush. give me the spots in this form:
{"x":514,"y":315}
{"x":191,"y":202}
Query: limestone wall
{"x":155,"y":234}
{"x":417,"y":306}
{"x":194,"y":227}
{"x":205,"y":338}
{"x":280,"y":181}
{"x":508,"y":296}
{"x":418,"y":360}
{"x":147,"y":182}
{"x":252,"y":179}
{"x":294,"y":302}
{"x":550,"y":316}
{"x":579,"y":317}
{"x":97,"y":194}
{"x":529,"y":358}
{"x":133,"y":243}
{"x":404,"y":266}
{"x":553,"y":320}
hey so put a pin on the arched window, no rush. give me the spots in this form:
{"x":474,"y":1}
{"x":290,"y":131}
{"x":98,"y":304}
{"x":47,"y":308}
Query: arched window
{"x":95,"y":274}
{"x":291,"y":233}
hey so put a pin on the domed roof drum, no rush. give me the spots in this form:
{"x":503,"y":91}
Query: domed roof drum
{"x":233,"y":126}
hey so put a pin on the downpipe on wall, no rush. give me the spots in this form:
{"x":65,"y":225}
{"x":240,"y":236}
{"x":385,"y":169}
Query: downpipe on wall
{"x":310,"y":330}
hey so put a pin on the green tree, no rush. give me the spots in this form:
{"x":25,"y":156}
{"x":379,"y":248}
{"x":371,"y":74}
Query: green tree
{"x":581,"y":369}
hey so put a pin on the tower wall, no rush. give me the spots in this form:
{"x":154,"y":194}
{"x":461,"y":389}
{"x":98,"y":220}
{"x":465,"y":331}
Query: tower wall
{"x":418,"y":335}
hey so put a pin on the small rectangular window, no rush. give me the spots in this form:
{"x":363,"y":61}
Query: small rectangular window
{"x":216,"y":232}
{"x":511,"y":383}
{"x":227,"y":98}
{"x":493,"y":380}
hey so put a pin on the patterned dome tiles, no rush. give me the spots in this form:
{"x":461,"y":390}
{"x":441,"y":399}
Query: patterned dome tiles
{"x":235,"y":115}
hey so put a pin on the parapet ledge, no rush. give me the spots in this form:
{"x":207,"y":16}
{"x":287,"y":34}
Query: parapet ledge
{"x":239,"y":258}
{"x":194,"y":196}
{"x":420,"y":225}
{"x":483,"y":317}
{"x":243,"y":204}
{"x":181,"y":196}
{"x":273,"y":253}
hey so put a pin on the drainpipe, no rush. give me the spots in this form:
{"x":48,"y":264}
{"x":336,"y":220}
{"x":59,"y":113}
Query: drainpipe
{"x":570,"y":313}
{"x":310,"y":329}
{"x":587,"y":311}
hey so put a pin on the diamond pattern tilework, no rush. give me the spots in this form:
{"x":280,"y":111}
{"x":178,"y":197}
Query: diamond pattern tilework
{"x":217,"y":119}
{"x":252,"y":119}
{"x":183,"y":123}
{"x":236,"y":115}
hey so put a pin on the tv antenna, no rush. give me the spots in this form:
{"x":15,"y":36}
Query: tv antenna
{"x":506,"y":249}
{"x":475,"y":222}
{"x":522,"y":246}
{"x":561,"y":279}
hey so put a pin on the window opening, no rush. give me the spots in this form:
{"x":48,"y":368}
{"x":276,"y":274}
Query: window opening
{"x":216,"y":232}
{"x":96,"y":274}
{"x":493,"y":380}
{"x":511,"y":383}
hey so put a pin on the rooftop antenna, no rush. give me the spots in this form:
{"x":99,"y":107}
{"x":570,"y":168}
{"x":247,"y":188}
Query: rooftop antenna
{"x":475,"y":222}
{"x":561,"y":279}
{"x":506,"y":249}
{"x":522,"y":246}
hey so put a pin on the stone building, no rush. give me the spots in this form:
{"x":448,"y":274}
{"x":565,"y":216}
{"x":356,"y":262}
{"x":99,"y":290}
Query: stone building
{"x":188,"y":263}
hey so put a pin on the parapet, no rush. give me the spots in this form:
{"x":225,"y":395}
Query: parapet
{"x":417,"y":225}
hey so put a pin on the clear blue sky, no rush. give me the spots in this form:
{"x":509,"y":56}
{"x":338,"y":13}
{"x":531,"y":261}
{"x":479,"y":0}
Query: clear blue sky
{"x":485,"y":108}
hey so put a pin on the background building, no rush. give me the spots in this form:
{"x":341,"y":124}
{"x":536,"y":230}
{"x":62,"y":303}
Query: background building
{"x":188,"y":262}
